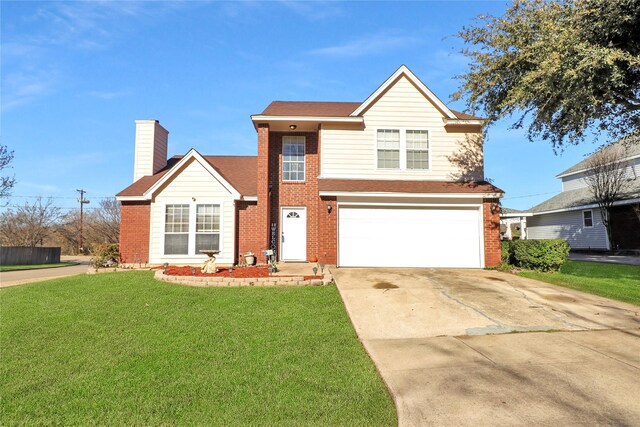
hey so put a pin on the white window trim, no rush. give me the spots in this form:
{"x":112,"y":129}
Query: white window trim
{"x":304,"y":161}
{"x":403,"y":149}
{"x":592,"y":219}
{"x":191,"y":248}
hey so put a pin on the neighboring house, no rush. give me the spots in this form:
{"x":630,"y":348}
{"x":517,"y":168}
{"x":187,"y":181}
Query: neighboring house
{"x":513,"y":224}
{"x":364,"y":184}
{"x":573,"y":215}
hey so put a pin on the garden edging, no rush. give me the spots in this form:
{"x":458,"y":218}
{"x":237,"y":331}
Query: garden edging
{"x":243,"y":281}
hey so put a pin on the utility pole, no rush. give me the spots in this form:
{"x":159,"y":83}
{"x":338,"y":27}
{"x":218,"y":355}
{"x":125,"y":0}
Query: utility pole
{"x":82,"y":201}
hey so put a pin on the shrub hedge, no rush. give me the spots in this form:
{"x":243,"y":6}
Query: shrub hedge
{"x":541,"y":255}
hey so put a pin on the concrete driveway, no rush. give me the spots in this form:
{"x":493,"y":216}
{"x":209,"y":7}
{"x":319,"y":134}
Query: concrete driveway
{"x":443,"y":342}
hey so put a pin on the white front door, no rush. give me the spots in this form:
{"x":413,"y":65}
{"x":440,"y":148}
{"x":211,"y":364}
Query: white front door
{"x":293,"y":234}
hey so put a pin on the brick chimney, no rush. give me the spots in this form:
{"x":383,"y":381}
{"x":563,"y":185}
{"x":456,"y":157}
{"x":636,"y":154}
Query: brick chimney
{"x":151,"y":148}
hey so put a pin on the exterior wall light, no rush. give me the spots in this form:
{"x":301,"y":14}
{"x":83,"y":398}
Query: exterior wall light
{"x":329,"y":208}
{"x":293,"y":127}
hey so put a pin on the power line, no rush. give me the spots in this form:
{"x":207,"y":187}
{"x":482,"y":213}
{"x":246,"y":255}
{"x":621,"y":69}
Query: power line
{"x":530,"y":195}
{"x":58,"y":197}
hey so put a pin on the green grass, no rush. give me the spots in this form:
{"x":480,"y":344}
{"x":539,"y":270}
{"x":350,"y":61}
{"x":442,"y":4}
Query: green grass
{"x":124,"y":349}
{"x":33,"y":267}
{"x":615,"y":281}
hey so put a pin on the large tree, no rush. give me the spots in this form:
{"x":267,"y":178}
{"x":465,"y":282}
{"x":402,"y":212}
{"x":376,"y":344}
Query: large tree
{"x":28,"y":225}
{"x":566,"y":68}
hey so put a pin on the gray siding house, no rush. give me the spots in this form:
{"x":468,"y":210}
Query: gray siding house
{"x":573,"y":214}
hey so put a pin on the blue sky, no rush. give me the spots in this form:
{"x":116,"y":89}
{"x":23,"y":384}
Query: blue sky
{"x":75,"y":76}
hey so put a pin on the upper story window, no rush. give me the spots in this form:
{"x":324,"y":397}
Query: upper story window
{"x":402,"y":149}
{"x":293,"y":153}
{"x":176,"y":230}
{"x":587,"y":218}
{"x":388,"y":149}
{"x":417,"y":149}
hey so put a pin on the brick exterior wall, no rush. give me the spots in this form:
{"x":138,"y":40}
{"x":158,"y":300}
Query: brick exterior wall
{"x":328,"y":231}
{"x":135,"y":218}
{"x":248,"y":230}
{"x":255,"y":220}
{"x":263,"y":209}
{"x":491,"y":222}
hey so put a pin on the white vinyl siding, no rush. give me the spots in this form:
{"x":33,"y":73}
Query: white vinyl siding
{"x":293,"y":155}
{"x":573,"y":182}
{"x":569,"y":226}
{"x":193,"y":182}
{"x":348,"y":151}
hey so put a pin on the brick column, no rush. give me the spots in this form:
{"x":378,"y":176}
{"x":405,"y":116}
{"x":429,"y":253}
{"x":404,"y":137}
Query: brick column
{"x":263,"y":213}
{"x":491,"y":222}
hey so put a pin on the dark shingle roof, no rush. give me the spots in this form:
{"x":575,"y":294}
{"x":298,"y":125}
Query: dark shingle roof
{"x":239,"y":171}
{"x":326,"y":109}
{"x":398,"y":186}
{"x":581,"y":197}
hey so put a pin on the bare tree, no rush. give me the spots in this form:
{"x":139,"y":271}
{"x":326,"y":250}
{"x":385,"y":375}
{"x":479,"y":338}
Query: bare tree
{"x":28,"y":225}
{"x":6,"y":182}
{"x":104,"y":222}
{"x":606,"y":179}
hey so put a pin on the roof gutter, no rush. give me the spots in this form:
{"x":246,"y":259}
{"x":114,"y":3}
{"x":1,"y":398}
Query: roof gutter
{"x":259,"y":118}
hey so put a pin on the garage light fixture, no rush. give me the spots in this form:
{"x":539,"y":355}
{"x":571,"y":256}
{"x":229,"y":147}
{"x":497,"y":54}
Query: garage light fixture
{"x":329,"y":208}
{"x":293,"y":127}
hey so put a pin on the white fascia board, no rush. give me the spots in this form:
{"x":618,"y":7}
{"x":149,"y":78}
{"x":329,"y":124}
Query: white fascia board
{"x":474,"y":122}
{"x":562,"y":175}
{"x":325,"y":119}
{"x":250,"y":198}
{"x":413,"y":79}
{"x":417,"y":195}
{"x":515,"y":215}
{"x":192,"y":154}
{"x":590,"y":206}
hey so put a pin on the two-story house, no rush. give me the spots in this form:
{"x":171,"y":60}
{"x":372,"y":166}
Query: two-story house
{"x":573,"y":214}
{"x":363,"y":184}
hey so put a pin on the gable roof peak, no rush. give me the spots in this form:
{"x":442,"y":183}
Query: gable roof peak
{"x":403,"y":70}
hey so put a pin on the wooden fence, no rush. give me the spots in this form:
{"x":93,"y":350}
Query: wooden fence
{"x":22,"y":255}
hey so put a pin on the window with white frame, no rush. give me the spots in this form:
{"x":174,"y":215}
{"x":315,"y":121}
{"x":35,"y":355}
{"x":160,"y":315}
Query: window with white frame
{"x":207,"y":227}
{"x":388,"y":143}
{"x":176,"y":230}
{"x":417,"y":149}
{"x":293,"y":153}
{"x":587,"y":218}
{"x":403,"y":149}
{"x":190,"y":228}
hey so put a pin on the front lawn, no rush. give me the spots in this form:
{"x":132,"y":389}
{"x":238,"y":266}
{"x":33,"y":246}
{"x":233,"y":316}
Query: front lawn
{"x":615,"y":281}
{"x":34,"y":266}
{"x":124,"y":349}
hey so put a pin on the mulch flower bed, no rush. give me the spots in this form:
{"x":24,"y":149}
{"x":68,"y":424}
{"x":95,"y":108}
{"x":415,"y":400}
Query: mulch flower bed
{"x":236,"y":272}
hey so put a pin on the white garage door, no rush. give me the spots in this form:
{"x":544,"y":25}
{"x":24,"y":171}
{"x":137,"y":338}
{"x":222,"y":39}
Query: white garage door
{"x":408,"y":237}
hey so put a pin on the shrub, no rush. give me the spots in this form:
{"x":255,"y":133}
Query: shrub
{"x":506,"y":249}
{"x":105,"y":255}
{"x":542,"y":255}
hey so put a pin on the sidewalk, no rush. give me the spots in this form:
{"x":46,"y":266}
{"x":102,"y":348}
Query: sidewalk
{"x":613,"y":259}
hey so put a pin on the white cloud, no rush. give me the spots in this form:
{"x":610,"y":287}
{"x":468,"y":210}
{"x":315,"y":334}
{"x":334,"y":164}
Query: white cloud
{"x":313,"y":10}
{"x":367,"y":45}
{"x":20,"y":88}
